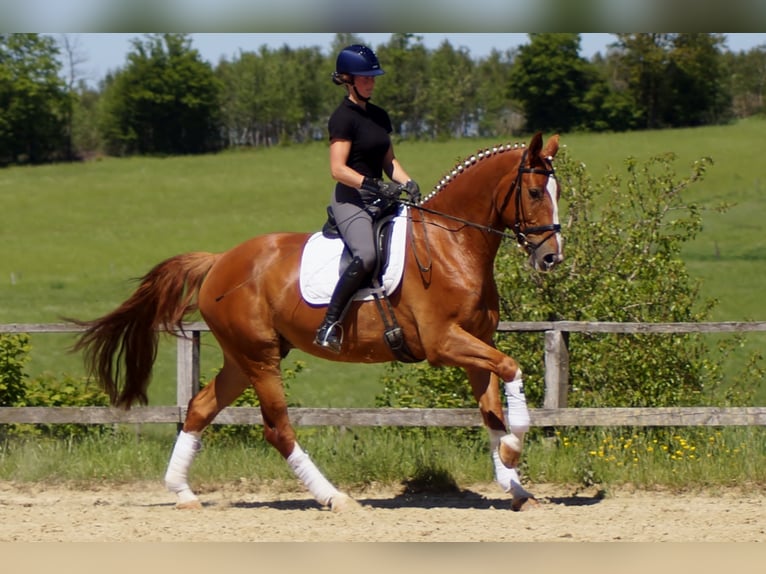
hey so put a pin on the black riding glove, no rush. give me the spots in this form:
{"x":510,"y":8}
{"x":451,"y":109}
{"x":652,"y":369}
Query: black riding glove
{"x":413,"y":191}
{"x":380,"y":188}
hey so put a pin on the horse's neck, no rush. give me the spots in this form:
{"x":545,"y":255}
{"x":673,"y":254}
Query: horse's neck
{"x":469,"y":196}
{"x":460,"y":232}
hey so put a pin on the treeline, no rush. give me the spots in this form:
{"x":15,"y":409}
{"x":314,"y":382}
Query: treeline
{"x":167,"y":100}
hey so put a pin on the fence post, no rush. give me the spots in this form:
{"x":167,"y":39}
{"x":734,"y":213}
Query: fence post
{"x":556,"y":370}
{"x":187,"y":367}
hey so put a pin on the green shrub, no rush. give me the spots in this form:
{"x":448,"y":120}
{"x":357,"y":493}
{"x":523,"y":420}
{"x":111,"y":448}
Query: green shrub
{"x":14,"y":354}
{"x":65,"y":391}
{"x":18,"y":390}
{"x":622,"y":263}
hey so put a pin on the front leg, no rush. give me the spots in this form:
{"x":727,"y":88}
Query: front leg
{"x":460,"y":348}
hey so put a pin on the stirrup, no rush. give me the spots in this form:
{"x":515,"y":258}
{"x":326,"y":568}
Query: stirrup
{"x":327,"y":338}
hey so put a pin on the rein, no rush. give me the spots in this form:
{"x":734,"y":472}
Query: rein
{"x":465,"y":222}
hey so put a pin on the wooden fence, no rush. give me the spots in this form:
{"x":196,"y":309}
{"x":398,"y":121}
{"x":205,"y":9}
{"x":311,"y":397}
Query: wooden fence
{"x":553,"y":413}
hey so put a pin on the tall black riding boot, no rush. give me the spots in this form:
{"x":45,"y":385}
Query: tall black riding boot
{"x":330,"y":332}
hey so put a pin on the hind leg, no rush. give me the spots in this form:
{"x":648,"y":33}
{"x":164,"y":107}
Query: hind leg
{"x":267,"y":381}
{"x":228,"y":384}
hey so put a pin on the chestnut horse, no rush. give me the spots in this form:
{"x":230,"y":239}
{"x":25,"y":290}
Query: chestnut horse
{"x":446,"y":305}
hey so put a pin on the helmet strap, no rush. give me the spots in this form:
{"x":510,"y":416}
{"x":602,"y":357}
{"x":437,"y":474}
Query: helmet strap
{"x":358,"y":95}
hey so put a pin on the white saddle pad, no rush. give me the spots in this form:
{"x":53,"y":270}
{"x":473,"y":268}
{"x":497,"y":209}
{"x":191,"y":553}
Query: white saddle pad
{"x":320,"y":265}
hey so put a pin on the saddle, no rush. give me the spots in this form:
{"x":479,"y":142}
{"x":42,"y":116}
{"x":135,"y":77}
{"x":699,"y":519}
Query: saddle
{"x":382,"y":230}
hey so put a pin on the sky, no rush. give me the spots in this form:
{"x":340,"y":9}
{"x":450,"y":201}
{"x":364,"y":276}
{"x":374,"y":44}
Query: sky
{"x":102,"y":52}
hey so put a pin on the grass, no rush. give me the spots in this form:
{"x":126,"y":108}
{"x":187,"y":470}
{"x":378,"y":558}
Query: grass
{"x":648,"y":457}
{"x":644,"y":458}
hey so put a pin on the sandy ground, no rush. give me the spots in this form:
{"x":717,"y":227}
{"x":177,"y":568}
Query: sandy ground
{"x":480,"y":513}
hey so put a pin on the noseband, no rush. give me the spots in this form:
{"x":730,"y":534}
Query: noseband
{"x":520,"y":230}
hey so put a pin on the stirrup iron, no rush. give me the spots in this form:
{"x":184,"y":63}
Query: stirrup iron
{"x":328,"y":338}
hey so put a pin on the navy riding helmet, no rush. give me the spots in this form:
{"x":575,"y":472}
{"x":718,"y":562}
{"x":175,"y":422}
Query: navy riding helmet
{"x":357,"y":60}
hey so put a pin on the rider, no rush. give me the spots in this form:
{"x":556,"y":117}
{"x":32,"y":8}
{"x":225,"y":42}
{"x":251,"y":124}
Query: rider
{"x":360,"y":152}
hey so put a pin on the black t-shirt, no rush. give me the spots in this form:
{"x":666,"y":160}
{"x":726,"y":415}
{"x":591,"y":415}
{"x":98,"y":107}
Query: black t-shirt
{"x":368,"y":130}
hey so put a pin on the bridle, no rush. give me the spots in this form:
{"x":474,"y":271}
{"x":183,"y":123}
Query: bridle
{"x":519,"y":232}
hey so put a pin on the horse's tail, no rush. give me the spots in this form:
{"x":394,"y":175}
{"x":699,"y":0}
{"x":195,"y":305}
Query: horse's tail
{"x":128,"y":337}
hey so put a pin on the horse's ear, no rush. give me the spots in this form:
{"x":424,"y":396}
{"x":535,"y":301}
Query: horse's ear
{"x":552,"y":147}
{"x":535,"y":145}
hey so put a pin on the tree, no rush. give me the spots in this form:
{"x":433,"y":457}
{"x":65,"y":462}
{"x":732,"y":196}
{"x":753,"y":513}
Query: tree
{"x":275,"y":96}
{"x":73,"y":57}
{"x":747,"y":85}
{"x":86,"y":139}
{"x":165,"y":101}
{"x":496,"y":113}
{"x":33,"y":100}
{"x":643,"y":63}
{"x":675,"y":79}
{"x":450,"y":92}
{"x":696,"y":75}
{"x":550,"y":79}
{"x":402,"y":91}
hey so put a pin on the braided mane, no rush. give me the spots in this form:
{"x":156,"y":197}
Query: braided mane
{"x":467,"y":163}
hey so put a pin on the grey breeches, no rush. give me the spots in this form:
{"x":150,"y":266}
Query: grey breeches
{"x":355,"y":225}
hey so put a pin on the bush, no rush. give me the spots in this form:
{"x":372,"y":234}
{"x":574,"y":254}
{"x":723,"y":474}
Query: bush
{"x":64,"y":391}
{"x":17,"y":390}
{"x":14,"y":355}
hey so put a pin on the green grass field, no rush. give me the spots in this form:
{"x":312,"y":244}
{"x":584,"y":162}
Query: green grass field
{"x":74,"y":236}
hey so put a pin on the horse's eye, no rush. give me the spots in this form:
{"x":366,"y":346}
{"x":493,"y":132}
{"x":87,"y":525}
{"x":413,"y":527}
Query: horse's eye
{"x":535,"y":192}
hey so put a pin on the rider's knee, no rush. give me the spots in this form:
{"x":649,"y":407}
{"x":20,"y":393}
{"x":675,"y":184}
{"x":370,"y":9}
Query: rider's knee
{"x":368,"y":258}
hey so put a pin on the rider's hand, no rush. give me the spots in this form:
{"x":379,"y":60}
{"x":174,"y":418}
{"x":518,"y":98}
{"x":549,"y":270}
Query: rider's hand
{"x":385,"y":189}
{"x":413,"y":191}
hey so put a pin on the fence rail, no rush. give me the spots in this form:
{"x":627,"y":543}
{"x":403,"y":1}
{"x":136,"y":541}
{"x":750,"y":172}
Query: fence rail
{"x":553,"y":413}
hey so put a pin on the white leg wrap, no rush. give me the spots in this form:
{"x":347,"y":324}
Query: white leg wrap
{"x":518,"y":413}
{"x":310,"y":475}
{"x":186,"y":448}
{"x":507,"y":478}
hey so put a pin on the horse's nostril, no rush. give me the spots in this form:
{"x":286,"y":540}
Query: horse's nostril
{"x":550,"y":260}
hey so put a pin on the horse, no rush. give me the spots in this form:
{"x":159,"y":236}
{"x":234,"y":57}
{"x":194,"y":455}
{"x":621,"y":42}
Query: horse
{"x":447,"y":307}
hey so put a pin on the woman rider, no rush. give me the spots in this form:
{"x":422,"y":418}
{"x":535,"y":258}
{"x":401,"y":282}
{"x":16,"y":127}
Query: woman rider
{"x":360,"y":153}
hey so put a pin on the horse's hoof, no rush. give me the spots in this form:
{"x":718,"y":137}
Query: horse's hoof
{"x":524,"y":503}
{"x":189,"y":505}
{"x":344,"y":503}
